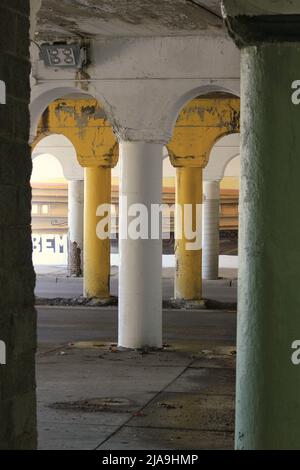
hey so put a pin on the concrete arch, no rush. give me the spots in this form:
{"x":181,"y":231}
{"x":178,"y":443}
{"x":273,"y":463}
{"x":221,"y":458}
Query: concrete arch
{"x":194,"y":92}
{"x":64,"y":151}
{"x":84,"y":122}
{"x":225,"y":149}
{"x":42,"y":100}
{"x":53,"y":169}
{"x":43,"y":96}
{"x":229,"y":171}
{"x":165,"y":153}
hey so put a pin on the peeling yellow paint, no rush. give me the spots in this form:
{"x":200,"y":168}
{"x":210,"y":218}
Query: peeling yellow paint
{"x":200,"y":124}
{"x":188,"y":276}
{"x":84,"y":123}
{"x":96,"y":259}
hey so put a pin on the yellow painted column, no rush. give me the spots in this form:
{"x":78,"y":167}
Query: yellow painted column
{"x":84,"y":123}
{"x":96,"y":258}
{"x":188,"y":277}
{"x":200,"y":124}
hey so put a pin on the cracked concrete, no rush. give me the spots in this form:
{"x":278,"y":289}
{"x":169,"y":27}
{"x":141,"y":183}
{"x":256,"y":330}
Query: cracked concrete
{"x":179,"y":398}
{"x":90,"y":18}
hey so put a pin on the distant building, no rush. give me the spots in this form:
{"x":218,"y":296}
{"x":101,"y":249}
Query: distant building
{"x":50,"y":215}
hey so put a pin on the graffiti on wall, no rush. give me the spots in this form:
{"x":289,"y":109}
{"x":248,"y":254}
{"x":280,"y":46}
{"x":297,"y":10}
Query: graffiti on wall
{"x":50,"y":249}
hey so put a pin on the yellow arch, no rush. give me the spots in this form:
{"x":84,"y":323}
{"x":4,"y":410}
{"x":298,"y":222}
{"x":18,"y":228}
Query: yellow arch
{"x":200,"y":124}
{"x":84,"y":123}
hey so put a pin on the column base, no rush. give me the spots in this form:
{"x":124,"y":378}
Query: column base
{"x":143,"y":350}
{"x":100,"y":302}
{"x":187,"y":304}
{"x":75,"y":260}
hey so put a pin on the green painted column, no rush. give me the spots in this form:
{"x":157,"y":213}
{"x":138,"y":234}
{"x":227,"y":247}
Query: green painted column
{"x":268,"y":382}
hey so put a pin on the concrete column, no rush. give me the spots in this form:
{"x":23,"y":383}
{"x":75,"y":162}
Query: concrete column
{"x":140,"y":284}
{"x":97,"y":191}
{"x":17,"y":312}
{"x":75,"y":221}
{"x":188,"y":277}
{"x":268,"y":377}
{"x":268,"y":383}
{"x":211,"y":238}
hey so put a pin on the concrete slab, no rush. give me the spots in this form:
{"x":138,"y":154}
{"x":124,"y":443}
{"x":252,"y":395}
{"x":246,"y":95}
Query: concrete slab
{"x":188,"y":411}
{"x":77,"y":437}
{"x":138,"y":438}
{"x":113,"y":379}
{"x":177,"y":398}
{"x":50,"y":416}
{"x":219,"y":357}
{"x":211,"y":381}
{"x":214,"y":363}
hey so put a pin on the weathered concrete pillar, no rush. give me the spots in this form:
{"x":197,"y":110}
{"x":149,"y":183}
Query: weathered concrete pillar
{"x":188,"y":277}
{"x":97,"y":152}
{"x":268,"y":379}
{"x":211,"y":237}
{"x":140,"y":283}
{"x":96,"y":257}
{"x":200,"y":124}
{"x":75,"y":221}
{"x":17,"y":279}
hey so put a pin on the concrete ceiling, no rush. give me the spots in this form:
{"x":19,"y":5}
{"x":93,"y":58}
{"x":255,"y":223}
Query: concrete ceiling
{"x":262,"y":7}
{"x":61,"y":19}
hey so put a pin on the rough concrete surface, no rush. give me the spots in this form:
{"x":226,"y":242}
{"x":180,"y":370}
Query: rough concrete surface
{"x":53,"y":282}
{"x":125,"y":17}
{"x":17,"y":315}
{"x":91,"y":395}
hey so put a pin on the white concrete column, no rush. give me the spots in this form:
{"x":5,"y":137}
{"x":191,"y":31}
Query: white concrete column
{"x":140,"y":283}
{"x":211,"y":219}
{"x":75,"y":216}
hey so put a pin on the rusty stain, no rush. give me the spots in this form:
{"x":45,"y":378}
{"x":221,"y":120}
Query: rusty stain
{"x":82,"y":80}
{"x":235,"y":120}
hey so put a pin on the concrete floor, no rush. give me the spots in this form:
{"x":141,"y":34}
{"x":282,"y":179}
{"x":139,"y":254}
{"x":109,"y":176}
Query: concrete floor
{"x":53,"y":282}
{"x":93,"y":396}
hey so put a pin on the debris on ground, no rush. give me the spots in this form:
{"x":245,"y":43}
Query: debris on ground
{"x":112,"y":301}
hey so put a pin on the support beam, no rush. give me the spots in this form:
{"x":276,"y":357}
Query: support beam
{"x":211,"y":236}
{"x":140,"y":283}
{"x":18,"y":428}
{"x":75,"y":222}
{"x":268,"y":380}
{"x":200,"y":124}
{"x":97,"y":191}
{"x":188,"y":277}
{"x":85,"y":124}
